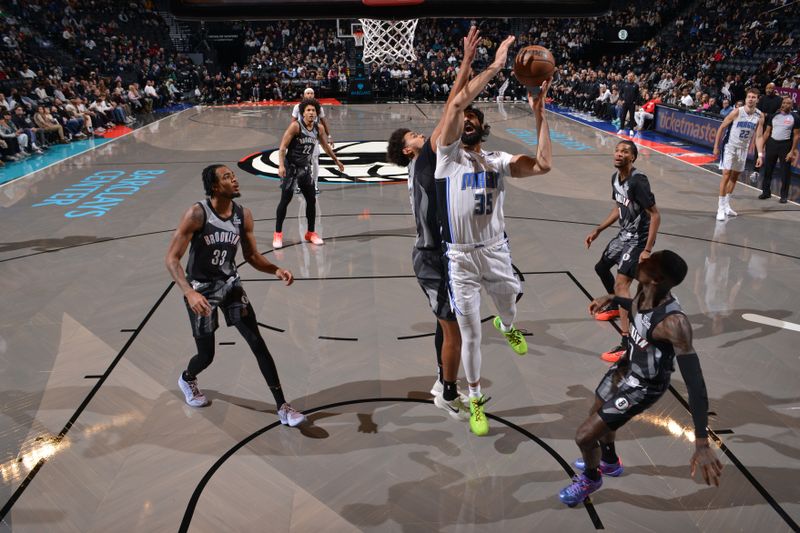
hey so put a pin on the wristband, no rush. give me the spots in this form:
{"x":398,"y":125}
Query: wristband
{"x":760,"y":154}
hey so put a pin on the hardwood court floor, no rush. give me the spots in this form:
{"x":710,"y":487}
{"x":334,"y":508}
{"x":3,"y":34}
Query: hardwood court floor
{"x":95,"y":435}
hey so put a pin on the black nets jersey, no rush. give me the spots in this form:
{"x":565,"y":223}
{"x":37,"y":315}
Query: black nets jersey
{"x":633,"y":197}
{"x":301,"y":147}
{"x":422,"y":192}
{"x":213,"y":247}
{"x":651,"y":360}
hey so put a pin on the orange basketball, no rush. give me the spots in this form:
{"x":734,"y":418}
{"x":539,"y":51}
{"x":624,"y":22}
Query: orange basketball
{"x":533,"y":65}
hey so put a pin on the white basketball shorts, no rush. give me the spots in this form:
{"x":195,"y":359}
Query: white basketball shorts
{"x":471,"y":268}
{"x":733,"y":159}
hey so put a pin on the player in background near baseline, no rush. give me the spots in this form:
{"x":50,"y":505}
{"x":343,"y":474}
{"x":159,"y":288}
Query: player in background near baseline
{"x":297,"y":116}
{"x":740,"y":127}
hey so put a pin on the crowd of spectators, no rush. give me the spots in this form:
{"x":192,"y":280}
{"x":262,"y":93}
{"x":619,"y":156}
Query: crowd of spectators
{"x":70,"y":70}
{"x":689,"y":63}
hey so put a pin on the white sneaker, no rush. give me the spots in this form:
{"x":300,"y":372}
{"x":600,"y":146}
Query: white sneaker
{"x":721,"y":214}
{"x":438,"y":389}
{"x":193,"y":396}
{"x":631,"y":133}
{"x":620,"y":132}
{"x":454,"y":408}
{"x":729,"y":212}
{"x":290,"y":416}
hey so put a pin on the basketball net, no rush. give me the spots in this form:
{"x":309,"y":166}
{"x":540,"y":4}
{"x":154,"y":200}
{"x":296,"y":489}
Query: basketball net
{"x":388,"y":41}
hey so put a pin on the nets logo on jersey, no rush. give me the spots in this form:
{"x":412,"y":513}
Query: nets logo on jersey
{"x":622,"y":404}
{"x":364,"y":162}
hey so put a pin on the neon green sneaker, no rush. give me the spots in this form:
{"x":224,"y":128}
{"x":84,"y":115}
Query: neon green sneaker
{"x":477,"y":419}
{"x":514,"y":337}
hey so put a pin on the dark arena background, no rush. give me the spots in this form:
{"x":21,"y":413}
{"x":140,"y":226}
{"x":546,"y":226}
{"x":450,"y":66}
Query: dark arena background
{"x":109,"y":112}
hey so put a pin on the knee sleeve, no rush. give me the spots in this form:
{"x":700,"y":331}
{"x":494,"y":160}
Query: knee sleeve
{"x":470,"y":327}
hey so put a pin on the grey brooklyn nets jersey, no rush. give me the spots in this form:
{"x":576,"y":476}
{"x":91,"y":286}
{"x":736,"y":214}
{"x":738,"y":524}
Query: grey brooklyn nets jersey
{"x":213,"y":248}
{"x":633,"y":197}
{"x":422,"y":190}
{"x":650,"y":359}
{"x":301,"y":147}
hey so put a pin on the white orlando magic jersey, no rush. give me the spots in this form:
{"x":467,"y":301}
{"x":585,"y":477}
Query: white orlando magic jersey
{"x":743,"y":129}
{"x":470,"y":190}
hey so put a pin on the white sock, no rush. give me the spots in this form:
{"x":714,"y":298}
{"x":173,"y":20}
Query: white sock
{"x":721,"y":202}
{"x":475,"y":392}
{"x":728,"y":200}
{"x":505,"y":328}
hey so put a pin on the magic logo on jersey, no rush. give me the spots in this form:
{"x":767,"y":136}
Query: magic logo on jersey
{"x":479,"y":180}
{"x":364,"y":162}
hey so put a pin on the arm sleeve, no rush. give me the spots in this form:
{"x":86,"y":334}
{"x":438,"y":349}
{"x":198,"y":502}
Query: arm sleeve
{"x":625,"y":303}
{"x":689,"y":365}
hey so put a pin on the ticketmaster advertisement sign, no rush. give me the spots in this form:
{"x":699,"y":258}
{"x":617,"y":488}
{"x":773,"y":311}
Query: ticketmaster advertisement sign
{"x":694,"y":128}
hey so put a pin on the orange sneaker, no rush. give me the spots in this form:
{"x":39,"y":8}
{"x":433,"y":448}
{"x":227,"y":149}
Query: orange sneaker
{"x":607,"y":312}
{"x":313,"y":238}
{"x":277,"y":239}
{"x":613,"y":355}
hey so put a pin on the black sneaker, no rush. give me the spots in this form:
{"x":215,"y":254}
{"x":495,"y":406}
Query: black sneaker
{"x":764,"y":196}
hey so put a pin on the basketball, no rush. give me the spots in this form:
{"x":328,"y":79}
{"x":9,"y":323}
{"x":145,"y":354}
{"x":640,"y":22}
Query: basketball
{"x":533,"y":65}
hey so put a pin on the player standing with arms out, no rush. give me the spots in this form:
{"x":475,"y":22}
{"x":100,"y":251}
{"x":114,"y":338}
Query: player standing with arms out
{"x":470,"y":190}
{"x":214,"y":228}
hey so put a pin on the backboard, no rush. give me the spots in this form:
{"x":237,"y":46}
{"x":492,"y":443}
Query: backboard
{"x":383,"y":9}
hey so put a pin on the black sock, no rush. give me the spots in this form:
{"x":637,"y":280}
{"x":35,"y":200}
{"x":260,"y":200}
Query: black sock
{"x":450,"y":392}
{"x":187,"y":377}
{"x":624,"y":342}
{"x":277,"y":393}
{"x":609,"y":453}
{"x":592,"y":473}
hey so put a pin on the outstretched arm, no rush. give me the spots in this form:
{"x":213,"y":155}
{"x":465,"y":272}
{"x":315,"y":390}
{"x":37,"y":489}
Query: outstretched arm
{"x":525,"y":165}
{"x":453,"y":120}
{"x":676,"y":330}
{"x":251,"y":255}
{"x":612,"y":217}
{"x":470,"y":46}
{"x":191,"y":221}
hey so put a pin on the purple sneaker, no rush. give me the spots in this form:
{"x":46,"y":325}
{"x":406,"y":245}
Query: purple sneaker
{"x":580,"y":489}
{"x":607,"y":469}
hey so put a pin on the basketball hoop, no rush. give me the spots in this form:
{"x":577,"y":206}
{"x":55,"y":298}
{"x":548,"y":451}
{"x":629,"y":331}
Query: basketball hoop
{"x":388,"y":41}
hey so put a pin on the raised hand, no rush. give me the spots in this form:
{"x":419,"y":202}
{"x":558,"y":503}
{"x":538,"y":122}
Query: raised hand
{"x":471,"y":44}
{"x":501,"y":55}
